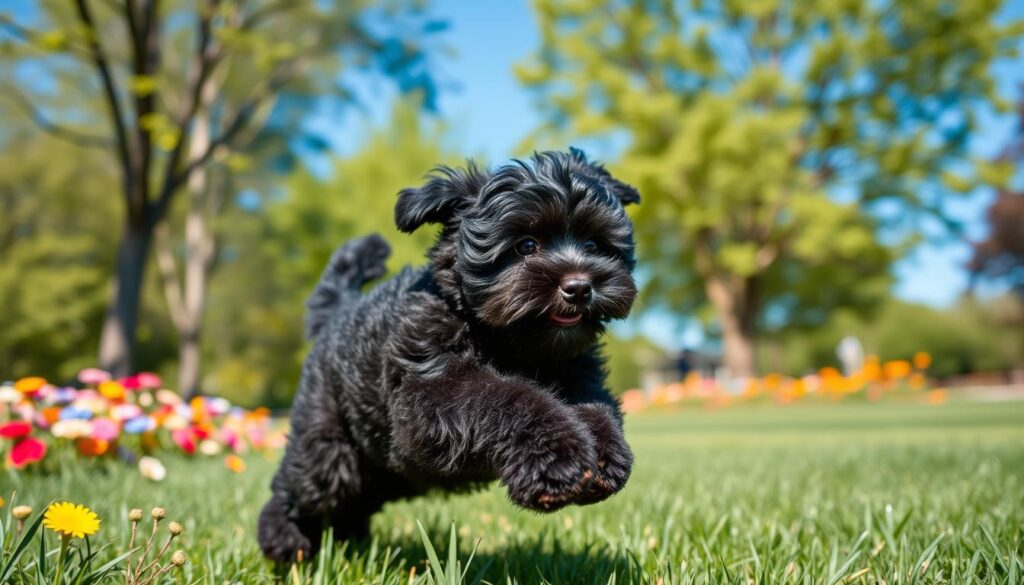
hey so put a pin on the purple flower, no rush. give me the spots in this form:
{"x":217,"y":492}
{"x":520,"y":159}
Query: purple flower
{"x":64,"y":395}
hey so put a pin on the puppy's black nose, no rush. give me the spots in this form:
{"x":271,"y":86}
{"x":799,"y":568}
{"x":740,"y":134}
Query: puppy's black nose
{"x":576,"y":290}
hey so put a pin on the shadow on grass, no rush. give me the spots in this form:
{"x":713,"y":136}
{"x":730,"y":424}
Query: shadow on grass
{"x":540,"y":559}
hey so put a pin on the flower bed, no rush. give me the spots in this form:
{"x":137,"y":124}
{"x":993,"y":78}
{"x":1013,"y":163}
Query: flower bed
{"x":132,"y":419}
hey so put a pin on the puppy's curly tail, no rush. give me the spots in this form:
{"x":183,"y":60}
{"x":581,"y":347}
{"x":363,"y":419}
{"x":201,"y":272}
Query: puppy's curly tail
{"x":353,"y":264}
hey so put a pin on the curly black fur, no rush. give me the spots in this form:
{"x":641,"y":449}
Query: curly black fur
{"x":479,"y":367}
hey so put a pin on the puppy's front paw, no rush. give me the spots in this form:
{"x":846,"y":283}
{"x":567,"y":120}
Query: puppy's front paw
{"x":614,"y":457}
{"x":551,"y":468}
{"x":614,"y":464}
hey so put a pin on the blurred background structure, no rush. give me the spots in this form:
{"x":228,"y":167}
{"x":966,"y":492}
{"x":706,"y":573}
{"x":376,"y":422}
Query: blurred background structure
{"x":174,"y":175}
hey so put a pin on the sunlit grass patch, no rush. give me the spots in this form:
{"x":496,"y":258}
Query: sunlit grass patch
{"x":854,"y":493}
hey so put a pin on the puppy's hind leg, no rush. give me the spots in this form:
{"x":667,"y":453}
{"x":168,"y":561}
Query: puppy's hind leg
{"x":319,"y":471}
{"x":286,"y":539}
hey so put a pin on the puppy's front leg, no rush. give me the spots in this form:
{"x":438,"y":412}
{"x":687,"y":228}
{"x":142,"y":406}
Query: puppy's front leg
{"x":614,"y":457}
{"x":474,"y":422}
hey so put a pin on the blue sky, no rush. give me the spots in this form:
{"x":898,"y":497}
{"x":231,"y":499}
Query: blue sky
{"x":489,"y":114}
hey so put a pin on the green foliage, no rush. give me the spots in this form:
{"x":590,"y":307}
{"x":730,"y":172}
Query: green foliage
{"x":278,"y":251}
{"x":969,"y":337}
{"x":799,"y":495}
{"x":770,"y":138}
{"x":628,"y":358}
{"x":57,"y":246}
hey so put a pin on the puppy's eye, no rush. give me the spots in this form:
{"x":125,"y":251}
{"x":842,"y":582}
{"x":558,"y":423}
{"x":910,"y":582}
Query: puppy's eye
{"x":590,"y":247}
{"x":527,"y":247}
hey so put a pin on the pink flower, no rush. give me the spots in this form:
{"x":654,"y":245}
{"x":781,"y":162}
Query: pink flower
{"x":149,"y":380}
{"x":93,"y":376}
{"x":184,"y":439}
{"x":105,"y":429}
{"x":27,"y":451}
{"x":15,"y":429}
{"x":123,"y":412}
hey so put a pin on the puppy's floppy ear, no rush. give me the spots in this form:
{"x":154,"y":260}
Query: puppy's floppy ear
{"x":447,"y":192}
{"x":626,"y":194}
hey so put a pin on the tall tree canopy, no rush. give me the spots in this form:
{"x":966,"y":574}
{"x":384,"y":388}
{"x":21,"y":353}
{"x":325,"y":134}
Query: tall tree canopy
{"x":772,"y":140}
{"x":169,"y":86}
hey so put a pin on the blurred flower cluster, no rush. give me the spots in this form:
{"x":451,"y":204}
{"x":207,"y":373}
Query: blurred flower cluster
{"x":873,"y":380}
{"x":131,"y":419}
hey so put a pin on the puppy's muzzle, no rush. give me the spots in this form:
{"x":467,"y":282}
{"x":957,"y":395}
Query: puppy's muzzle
{"x":576,"y":290}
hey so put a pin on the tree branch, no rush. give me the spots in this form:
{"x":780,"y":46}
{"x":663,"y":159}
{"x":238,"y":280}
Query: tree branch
{"x":99,"y":60}
{"x":37,"y":117}
{"x":206,"y":58}
{"x":233,"y":127}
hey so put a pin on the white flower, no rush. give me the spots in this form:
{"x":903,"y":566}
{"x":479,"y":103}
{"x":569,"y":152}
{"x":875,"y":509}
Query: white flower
{"x":151,"y":468}
{"x":209,"y":447}
{"x":71,"y":429}
{"x":9,"y":394}
{"x":175,"y":422}
{"x":170,"y":397}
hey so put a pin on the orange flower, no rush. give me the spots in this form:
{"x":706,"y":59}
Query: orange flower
{"x":871,"y":371}
{"x":30,"y":384}
{"x":922,"y":360}
{"x":198,"y":406}
{"x":938,"y":396}
{"x":917,"y":381}
{"x":896,"y":369}
{"x":235,"y":463}
{"x":751,"y":389}
{"x":90,"y":447}
{"x":51,"y":414}
{"x":633,"y":401}
{"x":829,"y":372}
{"x":772,"y":382}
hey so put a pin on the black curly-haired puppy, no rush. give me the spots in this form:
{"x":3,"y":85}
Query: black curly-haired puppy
{"x":483,"y":365}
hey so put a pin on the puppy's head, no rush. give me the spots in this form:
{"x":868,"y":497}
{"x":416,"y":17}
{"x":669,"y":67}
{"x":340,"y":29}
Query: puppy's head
{"x":541,"y":248}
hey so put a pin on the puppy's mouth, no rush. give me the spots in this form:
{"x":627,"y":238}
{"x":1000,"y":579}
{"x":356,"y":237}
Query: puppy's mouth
{"x":561,"y":320}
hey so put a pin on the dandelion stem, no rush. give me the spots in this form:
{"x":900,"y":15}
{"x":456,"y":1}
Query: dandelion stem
{"x":65,"y":540}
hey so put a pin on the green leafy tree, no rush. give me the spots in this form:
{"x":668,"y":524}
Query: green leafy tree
{"x":770,"y":139}
{"x":181,"y":85}
{"x":278,"y":250}
{"x":967,"y":338}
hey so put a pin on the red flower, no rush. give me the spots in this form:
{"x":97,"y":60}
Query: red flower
{"x":131,"y":382}
{"x":15,"y":429}
{"x":27,"y":451}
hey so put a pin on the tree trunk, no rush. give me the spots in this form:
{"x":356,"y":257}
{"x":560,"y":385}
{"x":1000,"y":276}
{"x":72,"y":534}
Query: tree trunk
{"x":736,"y":304}
{"x":117,"y":340}
{"x":189,"y":364}
{"x":199,"y":251}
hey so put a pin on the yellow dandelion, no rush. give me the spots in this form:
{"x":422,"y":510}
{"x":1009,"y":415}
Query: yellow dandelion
{"x":71,"y":520}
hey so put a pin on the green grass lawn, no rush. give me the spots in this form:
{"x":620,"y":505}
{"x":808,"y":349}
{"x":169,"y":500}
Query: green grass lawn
{"x":854,"y":493}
